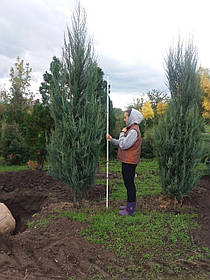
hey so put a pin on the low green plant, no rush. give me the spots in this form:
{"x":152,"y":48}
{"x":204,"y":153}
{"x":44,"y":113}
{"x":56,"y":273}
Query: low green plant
{"x":30,"y":224}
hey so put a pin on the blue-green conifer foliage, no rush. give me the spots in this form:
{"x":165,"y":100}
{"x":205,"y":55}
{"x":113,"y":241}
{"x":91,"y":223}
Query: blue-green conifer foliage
{"x":76,"y":107}
{"x":178,"y":134}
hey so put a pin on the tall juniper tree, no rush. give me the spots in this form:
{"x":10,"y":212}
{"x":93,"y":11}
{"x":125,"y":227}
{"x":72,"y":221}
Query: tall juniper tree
{"x":47,"y":86}
{"x":76,"y":107}
{"x":178,"y":134}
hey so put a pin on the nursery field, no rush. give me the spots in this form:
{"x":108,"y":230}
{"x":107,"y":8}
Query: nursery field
{"x":56,"y":239}
{"x":67,"y":124}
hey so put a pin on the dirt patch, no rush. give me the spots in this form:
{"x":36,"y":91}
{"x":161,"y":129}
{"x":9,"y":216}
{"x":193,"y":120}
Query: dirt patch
{"x":27,"y":192}
{"x":56,"y":252}
{"x":199,"y":198}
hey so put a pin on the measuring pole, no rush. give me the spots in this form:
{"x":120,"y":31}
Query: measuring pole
{"x":107,"y":143}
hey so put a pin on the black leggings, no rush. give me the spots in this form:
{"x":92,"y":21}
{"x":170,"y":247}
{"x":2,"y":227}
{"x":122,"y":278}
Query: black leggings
{"x":128,"y":173}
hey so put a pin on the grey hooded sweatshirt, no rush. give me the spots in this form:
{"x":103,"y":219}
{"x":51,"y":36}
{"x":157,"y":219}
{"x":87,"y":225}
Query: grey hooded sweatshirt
{"x":128,"y":141}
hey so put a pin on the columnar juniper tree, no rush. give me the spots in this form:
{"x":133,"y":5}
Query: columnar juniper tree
{"x":76,"y":108}
{"x":178,"y":134}
{"x":47,"y":86}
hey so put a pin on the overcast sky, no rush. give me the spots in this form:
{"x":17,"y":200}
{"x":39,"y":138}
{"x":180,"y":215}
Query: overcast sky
{"x":131,"y":38}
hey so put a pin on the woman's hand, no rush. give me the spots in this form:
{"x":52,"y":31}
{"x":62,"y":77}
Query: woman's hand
{"x":124,"y":129}
{"x":109,"y":137}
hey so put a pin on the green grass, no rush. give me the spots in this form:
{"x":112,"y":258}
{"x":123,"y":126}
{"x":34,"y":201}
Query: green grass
{"x":160,"y":238}
{"x":12,"y":168}
{"x":138,"y":234}
{"x":147,"y":180}
{"x":77,"y":216}
{"x":207,"y":128}
{"x":6,"y":168}
{"x":40,"y":223}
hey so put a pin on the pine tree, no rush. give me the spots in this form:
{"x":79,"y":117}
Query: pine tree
{"x":178,"y":134}
{"x":76,"y":107}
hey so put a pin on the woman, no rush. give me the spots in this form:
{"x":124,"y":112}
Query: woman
{"x":129,"y":149}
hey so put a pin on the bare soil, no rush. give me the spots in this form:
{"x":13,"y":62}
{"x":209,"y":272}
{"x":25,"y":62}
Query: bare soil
{"x":57,"y":251}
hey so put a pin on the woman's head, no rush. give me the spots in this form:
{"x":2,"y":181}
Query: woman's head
{"x":126,"y":115}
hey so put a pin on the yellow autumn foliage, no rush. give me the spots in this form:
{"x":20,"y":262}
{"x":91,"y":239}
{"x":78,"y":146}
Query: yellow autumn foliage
{"x":161,"y":108}
{"x":147,"y":110}
{"x":206,"y":115}
{"x":205,"y":85}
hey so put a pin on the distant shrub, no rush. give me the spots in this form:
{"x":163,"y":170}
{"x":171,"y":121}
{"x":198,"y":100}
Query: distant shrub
{"x":147,"y":147}
{"x":12,"y":146}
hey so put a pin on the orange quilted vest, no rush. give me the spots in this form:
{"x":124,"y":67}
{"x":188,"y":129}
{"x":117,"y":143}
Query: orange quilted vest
{"x":131,"y":155}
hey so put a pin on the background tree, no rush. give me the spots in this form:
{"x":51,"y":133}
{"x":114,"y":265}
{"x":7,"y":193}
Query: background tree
{"x":155,"y":96}
{"x":178,"y":134}
{"x":77,"y":110}
{"x":19,"y":98}
{"x":205,"y":85}
{"x":147,"y":110}
{"x":158,"y":100}
{"x":137,"y":103}
{"x":17,"y":101}
{"x":161,"y":108}
{"x":35,"y":128}
{"x":3,"y":95}
{"x":12,"y":146}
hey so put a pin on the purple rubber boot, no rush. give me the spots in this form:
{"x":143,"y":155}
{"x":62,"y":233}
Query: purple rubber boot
{"x":122,"y":207}
{"x":129,"y":210}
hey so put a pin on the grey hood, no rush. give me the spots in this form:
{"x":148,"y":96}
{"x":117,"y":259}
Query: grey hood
{"x":135,"y":117}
